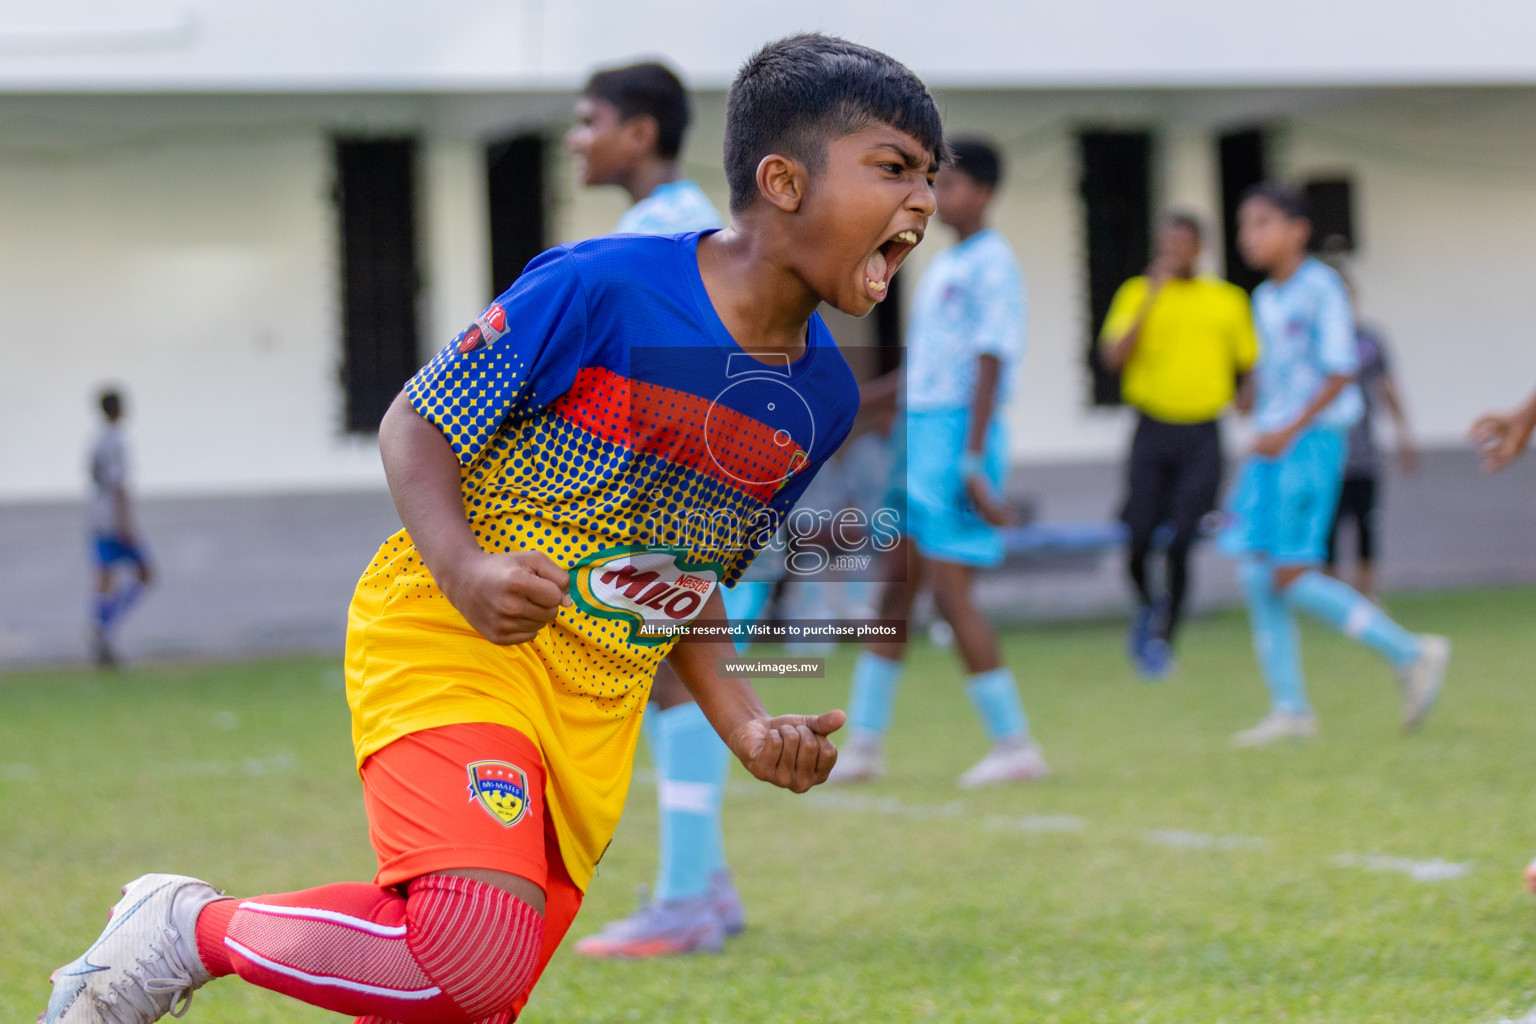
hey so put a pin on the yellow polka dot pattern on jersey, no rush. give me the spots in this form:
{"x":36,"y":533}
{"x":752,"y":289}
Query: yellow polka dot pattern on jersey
{"x":542,"y":483}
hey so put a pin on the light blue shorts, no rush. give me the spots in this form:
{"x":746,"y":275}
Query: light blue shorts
{"x":1282,"y":508}
{"x":929,"y":493}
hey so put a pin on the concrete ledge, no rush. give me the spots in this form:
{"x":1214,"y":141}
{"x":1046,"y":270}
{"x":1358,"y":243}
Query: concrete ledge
{"x":242,"y":576}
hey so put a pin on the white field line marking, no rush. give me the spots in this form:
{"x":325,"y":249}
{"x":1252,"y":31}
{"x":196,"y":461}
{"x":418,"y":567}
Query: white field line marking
{"x":1529,"y":1018}
{"x":1039,"y":823}
{"x":280,"y":763}
{"x":887,"y":805}
{"x":1435,"y":870}
{"x":1181,"y":839}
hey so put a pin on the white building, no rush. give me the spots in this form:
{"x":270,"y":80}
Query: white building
{"x":168,"y":168}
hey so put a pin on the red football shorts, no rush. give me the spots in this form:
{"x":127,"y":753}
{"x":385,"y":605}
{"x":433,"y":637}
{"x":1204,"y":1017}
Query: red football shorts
{"x":468,"y":796}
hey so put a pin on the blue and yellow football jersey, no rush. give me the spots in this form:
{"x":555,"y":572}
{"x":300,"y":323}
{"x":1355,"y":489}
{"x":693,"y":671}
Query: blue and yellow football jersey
{"x":601,"y":414}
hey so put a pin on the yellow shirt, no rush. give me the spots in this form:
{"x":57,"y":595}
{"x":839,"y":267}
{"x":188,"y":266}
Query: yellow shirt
{"x":1197,"y":338}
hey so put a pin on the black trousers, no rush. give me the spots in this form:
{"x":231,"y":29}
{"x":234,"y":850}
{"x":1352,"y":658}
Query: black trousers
{"x":1357,"y":501}
{"x":1174,"y":479}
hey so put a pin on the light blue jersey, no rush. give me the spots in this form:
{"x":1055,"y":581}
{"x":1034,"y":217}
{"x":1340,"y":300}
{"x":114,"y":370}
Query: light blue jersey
{"x":970,"y":302}
{"x":672,"y":209}
{"x":1306,"y":334}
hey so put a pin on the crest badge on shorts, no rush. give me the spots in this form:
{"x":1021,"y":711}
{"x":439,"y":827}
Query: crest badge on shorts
{"x":501,"y":789}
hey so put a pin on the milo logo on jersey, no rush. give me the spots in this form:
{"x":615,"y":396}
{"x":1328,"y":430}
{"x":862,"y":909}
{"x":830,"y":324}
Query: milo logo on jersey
{"x":641,"y":585}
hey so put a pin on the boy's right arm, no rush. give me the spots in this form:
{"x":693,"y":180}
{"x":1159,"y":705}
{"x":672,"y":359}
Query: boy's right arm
{"x":1117,"y":348}
{"x":790,"y":751}
{"x":1502,"y":436}
{"x":506,"y":597}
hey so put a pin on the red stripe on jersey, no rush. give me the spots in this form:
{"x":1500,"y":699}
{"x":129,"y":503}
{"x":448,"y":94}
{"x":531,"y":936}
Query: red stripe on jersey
{"x":741,"y":451}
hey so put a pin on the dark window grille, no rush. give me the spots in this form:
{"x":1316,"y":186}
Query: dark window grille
{"x":888,"y":328}
{"x":515,"y":177}
{"x":1116,"y":187}
{"x":376,"y":201}
{"x":1332,"y":205}
{"x":1244,"y":163}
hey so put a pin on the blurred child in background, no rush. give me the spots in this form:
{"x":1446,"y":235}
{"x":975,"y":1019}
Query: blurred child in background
{"x":115,"y":541}
{"x":966,"y":339}
{"x":1360,"y":495}
{"x":1305,"y":401}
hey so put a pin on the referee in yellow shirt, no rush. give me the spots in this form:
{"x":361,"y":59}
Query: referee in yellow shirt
{"x":1181,"y":342}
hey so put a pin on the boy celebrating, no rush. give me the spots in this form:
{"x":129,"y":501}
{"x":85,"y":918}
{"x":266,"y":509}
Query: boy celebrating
{"x":1282,"y":509}
{"x":552,"y":466}
{"x":629,"y":130}
{"x":114,"y":540}
{"x":966,"y":338}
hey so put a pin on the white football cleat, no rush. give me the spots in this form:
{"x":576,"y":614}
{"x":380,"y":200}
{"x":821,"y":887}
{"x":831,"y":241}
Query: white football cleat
{"x":1013,"y":762}
{"x":861,"y":759}
{"x":144,"y":965}
{"x":1422,"y":680}
{"x":1277,"y":726}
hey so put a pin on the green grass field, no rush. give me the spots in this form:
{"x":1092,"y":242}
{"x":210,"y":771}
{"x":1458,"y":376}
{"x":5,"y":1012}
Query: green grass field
{"x":1159,"y":876}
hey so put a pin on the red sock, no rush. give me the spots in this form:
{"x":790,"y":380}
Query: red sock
{"x":456,"y":952}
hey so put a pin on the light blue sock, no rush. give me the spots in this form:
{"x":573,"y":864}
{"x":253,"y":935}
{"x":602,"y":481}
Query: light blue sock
{"x":652,"y":733}
{"x":995,"y":696}
{"x":875,"y":680}
{"x":690,"y":779}
{"x":1342,"y":607}
{"x":1274,"y":639}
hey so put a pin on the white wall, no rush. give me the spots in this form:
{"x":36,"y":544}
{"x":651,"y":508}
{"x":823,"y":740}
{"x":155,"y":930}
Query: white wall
{"x":198,"y":274}
{"x":451,"y":45}
{"x":186,"y":249}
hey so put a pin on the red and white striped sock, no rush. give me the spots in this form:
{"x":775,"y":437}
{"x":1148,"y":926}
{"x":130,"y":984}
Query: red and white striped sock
{"x":457,"y":951}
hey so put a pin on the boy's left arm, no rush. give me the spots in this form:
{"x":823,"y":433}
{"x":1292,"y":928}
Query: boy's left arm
{"x":790,"y":751}
{"x":1274,"y":443}
{"x":1407,"y":451}
{"x":989,"y":371}
{"x":1000,"y":328}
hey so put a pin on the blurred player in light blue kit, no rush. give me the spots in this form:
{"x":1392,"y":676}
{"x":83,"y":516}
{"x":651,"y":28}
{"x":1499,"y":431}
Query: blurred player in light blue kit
{"x":1282,"y":509}
{"x":629,"y":130}
{"x":966,"y":339}
{"x":115,"y":541}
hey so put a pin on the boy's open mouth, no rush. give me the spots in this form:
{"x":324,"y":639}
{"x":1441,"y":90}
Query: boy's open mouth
{"x":885,"y":260}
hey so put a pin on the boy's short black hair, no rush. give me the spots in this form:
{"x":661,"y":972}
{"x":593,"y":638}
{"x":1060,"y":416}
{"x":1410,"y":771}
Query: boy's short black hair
{"x":978,"y":158}
{"x":1289,"y":200}
{"x":1188,"y":221}
{"x":646,"y":88}
{"x":796,"y":95}
{"x":111,"y":401}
